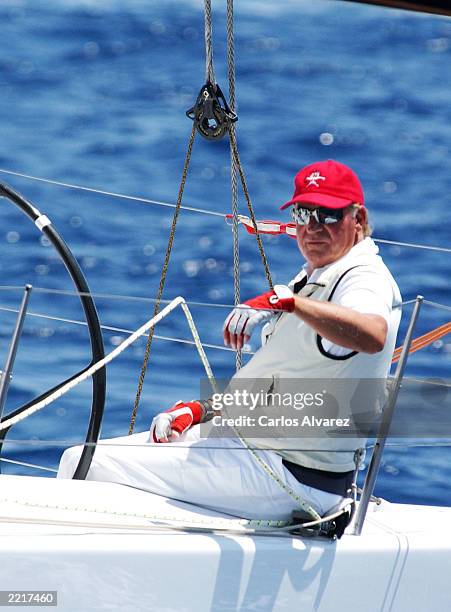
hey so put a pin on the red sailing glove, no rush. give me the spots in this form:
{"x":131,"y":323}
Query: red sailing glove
{"x":241,"y":322}
{"x":172,"y":423}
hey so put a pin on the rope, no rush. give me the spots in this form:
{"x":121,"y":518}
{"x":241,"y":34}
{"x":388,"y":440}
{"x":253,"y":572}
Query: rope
{"x":209,"y":66}
{"x":8,"y":422}
{"x":236,"y":247}
{"x":233,"y":169}
{"x":193,"y":523}
{"x":200,"y":348}
{"x":219,"y":524}
{"x":424,"y":340}
{"x":294,"y":496}
{"x":234,"y":147}
{"x":162,"y":279}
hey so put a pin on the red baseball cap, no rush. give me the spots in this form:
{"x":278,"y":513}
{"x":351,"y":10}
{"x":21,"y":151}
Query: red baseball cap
{"x":327,"y":183}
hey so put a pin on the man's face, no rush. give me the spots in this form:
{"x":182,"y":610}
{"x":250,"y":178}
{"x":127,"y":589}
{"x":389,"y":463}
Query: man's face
{"x":323,"y":244}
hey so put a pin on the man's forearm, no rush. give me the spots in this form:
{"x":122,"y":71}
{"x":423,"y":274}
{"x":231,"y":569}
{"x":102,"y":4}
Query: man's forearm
{"x":343,"y":326}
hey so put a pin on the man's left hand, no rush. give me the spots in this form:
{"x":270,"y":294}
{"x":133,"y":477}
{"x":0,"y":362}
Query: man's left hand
{"x":170,"y":425}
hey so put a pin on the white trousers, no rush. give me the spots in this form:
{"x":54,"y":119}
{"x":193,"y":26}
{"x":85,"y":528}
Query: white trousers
{"x":219,"y":474}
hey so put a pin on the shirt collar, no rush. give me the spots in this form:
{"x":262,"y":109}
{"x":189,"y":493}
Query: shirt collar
{"x":367,"y":246}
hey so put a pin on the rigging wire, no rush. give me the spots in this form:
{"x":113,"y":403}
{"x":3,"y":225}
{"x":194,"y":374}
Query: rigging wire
{"x":64,"y":443}
{"x":414,"y":245}
{"x":118,"y":296}
{"x":437,"y":305}
{"x":203,"y":211}
{"x":112,"y":193}
{"x":113,"y":296}
{"x":156,"y":447}
{"x":29,"y":465}
{"x":120,"y":330}
{"x":417,"y":344}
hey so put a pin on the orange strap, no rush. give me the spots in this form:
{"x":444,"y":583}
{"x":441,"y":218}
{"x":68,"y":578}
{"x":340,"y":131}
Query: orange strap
{"x":424,"y":340}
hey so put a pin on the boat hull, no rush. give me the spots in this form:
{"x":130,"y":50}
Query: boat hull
{"x":92,"y":543}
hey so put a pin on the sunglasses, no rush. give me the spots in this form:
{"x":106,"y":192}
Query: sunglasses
{"x":324,"y":216}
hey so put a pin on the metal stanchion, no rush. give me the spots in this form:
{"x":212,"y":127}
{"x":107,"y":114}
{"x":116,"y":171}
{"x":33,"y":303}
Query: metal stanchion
{"x":6,"y":375}
{"x":387,"y":417}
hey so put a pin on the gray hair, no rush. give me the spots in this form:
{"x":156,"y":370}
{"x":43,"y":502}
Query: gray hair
{"x":367,"y":229}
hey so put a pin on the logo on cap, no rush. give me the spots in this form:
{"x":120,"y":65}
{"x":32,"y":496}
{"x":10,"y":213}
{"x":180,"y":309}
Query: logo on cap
{"x":314,"y":178}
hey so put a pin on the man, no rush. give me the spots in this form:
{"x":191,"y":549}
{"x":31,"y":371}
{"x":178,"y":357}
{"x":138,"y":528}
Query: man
{"x":337,"y":321}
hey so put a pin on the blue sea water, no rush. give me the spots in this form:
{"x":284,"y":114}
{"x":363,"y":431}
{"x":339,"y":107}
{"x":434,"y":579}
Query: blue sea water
{"x":95,"y":94}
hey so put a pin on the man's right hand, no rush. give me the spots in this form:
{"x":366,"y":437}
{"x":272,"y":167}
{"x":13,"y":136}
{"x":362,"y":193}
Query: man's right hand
{"x":240,"y":324}
{"x":171,"y":424}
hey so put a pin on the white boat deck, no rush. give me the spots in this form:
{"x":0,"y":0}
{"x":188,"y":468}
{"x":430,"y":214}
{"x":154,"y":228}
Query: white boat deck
{"x":92,"y":542}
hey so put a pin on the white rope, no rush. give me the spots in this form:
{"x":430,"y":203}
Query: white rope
{"x":200,"y":349}
{"x":142,"y":528}
{"x":226,"y":525}
{"x":179,"y":301}
{"x":160,"y":521}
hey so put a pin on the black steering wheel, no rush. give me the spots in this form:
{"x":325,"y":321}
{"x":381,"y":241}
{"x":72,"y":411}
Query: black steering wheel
{"x":92,"y":320}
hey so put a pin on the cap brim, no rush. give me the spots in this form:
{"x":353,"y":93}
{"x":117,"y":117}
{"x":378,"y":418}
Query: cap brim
{"x":320,"y":199}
